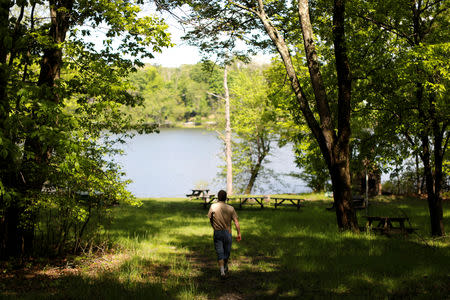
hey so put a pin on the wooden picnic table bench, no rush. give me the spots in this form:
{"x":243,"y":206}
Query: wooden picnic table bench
{"x":295,"y":202}
{"x":386,"y":225}
{"x":358,"y":203}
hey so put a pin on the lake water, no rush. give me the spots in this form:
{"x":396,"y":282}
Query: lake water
{"x":173,"y":162}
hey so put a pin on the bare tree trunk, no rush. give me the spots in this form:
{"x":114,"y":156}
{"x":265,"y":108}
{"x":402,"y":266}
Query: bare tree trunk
{"x":228,"y":151}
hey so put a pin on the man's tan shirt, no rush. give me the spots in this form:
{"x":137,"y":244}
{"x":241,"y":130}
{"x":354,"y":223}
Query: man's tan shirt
{"x":223,"y":214}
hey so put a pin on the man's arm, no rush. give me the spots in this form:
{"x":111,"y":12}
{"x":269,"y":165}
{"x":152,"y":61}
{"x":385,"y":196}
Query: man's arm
{"x":211,"y":216}
{"x":238,"y":229}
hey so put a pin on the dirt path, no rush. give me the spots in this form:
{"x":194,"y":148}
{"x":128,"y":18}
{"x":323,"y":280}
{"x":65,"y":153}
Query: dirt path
{"x":210,"y":282}
{"x":244,"y":280}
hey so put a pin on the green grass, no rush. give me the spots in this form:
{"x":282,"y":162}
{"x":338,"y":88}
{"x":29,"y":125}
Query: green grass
{"x":166,"y":252}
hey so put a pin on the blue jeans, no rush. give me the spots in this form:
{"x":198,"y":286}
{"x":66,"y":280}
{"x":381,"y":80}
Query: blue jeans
{"x":222,"y":243}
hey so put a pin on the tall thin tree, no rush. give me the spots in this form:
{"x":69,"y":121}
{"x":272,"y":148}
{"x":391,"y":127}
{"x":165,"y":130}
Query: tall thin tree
{"x":228,"y":150}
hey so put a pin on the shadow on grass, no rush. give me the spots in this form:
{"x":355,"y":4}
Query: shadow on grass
{"x":310,"y":267}
{"x":285,"y":254}
{"x":289,"y":254}
{"x":107,"y":286}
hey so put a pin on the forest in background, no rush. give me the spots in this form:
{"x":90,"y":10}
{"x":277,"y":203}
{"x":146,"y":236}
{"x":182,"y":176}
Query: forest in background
{"x":174,"y":96}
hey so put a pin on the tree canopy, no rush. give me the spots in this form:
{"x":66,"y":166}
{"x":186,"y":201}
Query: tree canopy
{"x":406,"y":81}
{"x":358,"y":55}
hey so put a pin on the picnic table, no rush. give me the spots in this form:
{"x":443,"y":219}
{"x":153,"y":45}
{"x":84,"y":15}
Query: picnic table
{"x":207,"y":199}
{"x":295,"y":202}
{"x":198,"y":193}
{"x":386,"y":225}
{"x":245,"y":199}
{"x":259,"y":200}
{"x":202,"y":194}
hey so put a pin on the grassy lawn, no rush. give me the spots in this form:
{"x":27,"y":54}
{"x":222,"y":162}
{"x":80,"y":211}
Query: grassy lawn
{"x":166,"y":252}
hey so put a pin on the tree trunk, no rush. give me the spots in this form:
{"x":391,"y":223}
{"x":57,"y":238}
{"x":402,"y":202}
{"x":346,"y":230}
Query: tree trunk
{"x":228,"y":151}
{"x":341,"y":149}
{"x":433,"y":195}
{"x":34,"y":170}
{"x":253,"y":175}
{"x":11,"y":244}
{"x":366,"y":185}
{"x":4,"y":24}
{"x":341,"y":181}
{"x":433,"y":180}
{"x":19,"y":238}
{"x":263,"y":148}
{"x":9,"y":218}
{"x":418,"y":185}
{"x":430,"y":127}
{"x":4,"y":102}
{"x":437,"y":223}
{"x":334,"y":148}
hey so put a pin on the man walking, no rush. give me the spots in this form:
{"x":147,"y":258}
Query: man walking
{"x":220,"y":215}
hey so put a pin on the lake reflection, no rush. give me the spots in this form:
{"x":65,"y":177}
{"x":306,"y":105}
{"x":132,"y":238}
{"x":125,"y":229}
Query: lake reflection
{"x":173,"y":162}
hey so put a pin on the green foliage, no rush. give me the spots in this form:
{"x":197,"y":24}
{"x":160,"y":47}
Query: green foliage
{"x":174,"y":95}
{"x":159,"y":101}
{"x":384,"y":67}
{"x":292,"y":128}
{"x":404,"y":84}
{"x":69,"y":221}
{"x":309,"y":158}
{"x":58,"y":127}
{"x":253,"y":123}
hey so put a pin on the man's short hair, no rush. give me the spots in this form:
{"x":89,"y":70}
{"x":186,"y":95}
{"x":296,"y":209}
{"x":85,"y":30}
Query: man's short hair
{"x":222,"y":195}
